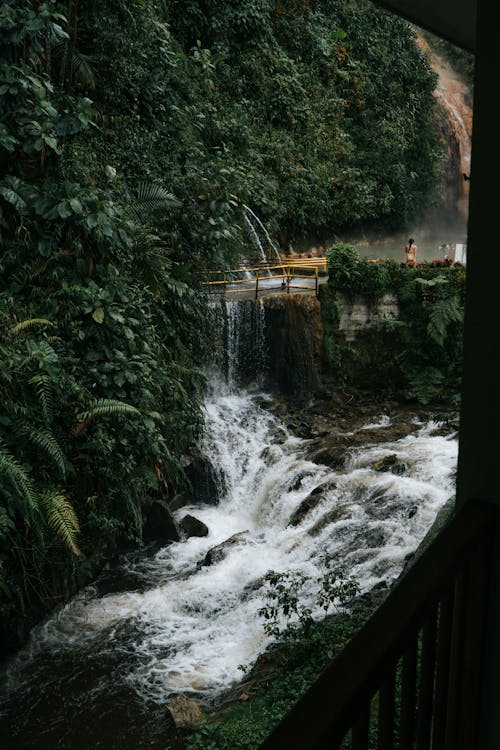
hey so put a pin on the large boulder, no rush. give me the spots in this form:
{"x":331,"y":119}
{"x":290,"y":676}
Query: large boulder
{"x":192,"y":526}
{"x":186,"y":713}
{"x":181,"y":500}
{"x":160,"y":525}
{"x":204,"y":480}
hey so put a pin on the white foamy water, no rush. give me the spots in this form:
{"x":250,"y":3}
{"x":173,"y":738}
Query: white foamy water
{"x":189,"y":626}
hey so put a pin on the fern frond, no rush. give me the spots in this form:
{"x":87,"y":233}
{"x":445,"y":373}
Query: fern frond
{"x":61,"y":517}
{"x":24,"y":324}
{"x":107,"y":407}
{"x":44,"y":351}
{"x":18,"y":479}
{"x":42,"y":385}
{"x":46,"y":441}
{"x":441,"y":314}
{"x":436,"y":281}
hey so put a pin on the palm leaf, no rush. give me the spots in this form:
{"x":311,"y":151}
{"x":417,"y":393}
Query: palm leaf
{"x":81,"y":69}
{"x":151,"y":197}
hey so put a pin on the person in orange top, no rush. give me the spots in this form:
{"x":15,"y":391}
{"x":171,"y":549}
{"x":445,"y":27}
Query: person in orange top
{"x":411,"y":252}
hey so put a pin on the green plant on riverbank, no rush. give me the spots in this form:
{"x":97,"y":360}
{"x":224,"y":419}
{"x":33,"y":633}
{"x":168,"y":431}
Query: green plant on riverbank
{"x":303,"y":646}
{"x":422,"y":348}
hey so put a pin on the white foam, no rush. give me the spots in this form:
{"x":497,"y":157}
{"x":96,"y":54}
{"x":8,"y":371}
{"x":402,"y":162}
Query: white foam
{"x":194,"y":625}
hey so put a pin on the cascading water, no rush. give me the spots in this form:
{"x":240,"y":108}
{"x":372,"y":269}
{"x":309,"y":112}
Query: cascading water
{"x":175,"y":624}
{"x":453,"y":96}
{"x":250,"y":217}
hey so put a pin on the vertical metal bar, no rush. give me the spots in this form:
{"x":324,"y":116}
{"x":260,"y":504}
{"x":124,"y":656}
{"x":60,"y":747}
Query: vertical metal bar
{"x":453,"y":707}
{"x":225,"y":283}
{"x":442,"y":668}
{"x":426,"y":686}
{"x":256,"y":283}
{"x":386,"y":711}
{"x":316,"y":280}
{"x":408,"y":697}
{"x":288,"y":280}
{"x":473,"y":659}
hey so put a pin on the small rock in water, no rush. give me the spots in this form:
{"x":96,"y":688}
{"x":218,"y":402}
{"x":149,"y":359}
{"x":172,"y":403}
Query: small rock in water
{"x":219,"y":552}
{"x":309,"y":503}
{"x":192,"y":526}
{"x":185,"y":712}
{"x":386,"y":463}
{"x":398,"y":468}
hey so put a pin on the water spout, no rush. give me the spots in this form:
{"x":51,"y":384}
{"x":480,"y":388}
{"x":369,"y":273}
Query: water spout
{"x":250,"y":217}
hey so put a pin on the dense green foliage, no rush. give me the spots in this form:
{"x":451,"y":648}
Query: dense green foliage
{"x":98,"y":326}
{"x":132,"y":134}
{"x":319,"y":111}
{"x":425,"y":342}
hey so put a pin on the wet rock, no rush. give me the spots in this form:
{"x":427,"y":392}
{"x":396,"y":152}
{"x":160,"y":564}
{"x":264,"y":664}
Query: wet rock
{"x":160,"y":525}
{"x":308,"y":504}
{"x":333,"y":456}
{"x":204,"y":480}
{"x":374,"y":598}
{"x":305,"y":507}
{"x":332,"y":516}
{"x":181,"y":501}
{"x":192,"y":526}
{"x":390,"y":463}
{"x":219,"y":552}
{"x":398,"y":468}
{"x":385,"y":463}
{"x":186,"y":713}
{"x":278,"y":435}
{"x":296,"y":482}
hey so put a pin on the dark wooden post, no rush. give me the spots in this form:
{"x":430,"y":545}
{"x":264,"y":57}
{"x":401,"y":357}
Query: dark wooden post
{"x":479,"y":445}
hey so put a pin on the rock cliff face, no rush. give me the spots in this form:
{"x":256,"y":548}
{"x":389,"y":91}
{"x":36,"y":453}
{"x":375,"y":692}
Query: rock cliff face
{"x":355,"y":316}
{"x":292,"y":331}
{"x":454,"y":105}
{"x":293,"y":336}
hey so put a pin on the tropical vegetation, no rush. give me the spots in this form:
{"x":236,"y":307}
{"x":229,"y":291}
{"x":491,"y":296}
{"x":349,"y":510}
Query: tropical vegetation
{"x":419,"y":350}
{"x":133,"y":133}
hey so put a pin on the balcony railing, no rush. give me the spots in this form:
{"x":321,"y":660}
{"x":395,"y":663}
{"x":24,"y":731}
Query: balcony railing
{"x":411,"y":677}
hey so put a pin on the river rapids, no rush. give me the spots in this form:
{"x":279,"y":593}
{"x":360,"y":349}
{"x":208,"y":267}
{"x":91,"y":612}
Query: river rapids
{"x":162,"y":623}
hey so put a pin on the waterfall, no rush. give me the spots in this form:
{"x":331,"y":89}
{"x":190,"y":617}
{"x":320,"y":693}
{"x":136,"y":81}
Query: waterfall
{"x":453,"y":96}
{"x":240,"y":353}
{"x":255,"y":237}
{"x":174,"y":624}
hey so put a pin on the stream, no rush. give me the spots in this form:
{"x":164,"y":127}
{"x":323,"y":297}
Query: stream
{"x":99,"y":672}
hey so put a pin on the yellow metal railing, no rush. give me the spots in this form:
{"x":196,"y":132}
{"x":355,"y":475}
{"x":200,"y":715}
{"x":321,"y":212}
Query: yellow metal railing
{"x":229,"y":283}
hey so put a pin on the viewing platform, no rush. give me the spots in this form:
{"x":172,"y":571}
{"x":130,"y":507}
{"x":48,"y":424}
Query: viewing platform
{"x":303,"y":275}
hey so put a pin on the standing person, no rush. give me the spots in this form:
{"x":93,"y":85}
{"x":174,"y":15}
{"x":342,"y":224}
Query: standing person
{"x":411,"y":252}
